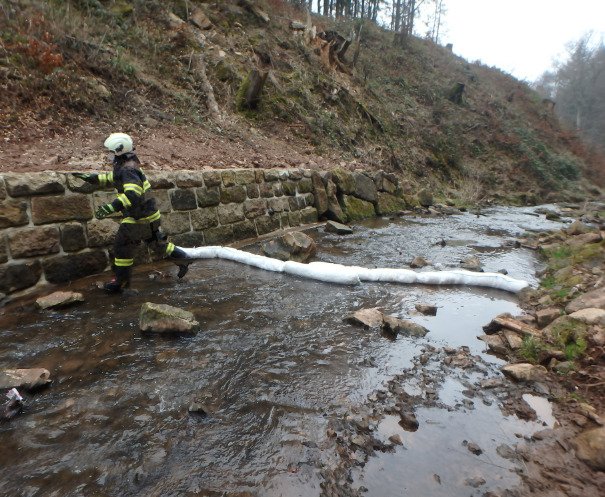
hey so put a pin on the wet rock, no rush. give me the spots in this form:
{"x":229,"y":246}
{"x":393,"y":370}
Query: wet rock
{"x":506,"y":452}
{"x":578,"y":241}
{"x":419,"y":262}
{"x":408,"y":421}
{"x":198,"y":408}
{"x":577,"y":228}
{"x":59,"y":299}
{"x":590,"y":315}
{"x":473,"y":448}
{"x":590,"y":448}
{"x":395,"y":326}
{"x":513,"y":340}
{"x":524,"y":371}
{"x":546,"y":316}
{"x":368,"y":318}
{"x":593,"y":299}
{"x":495,"y":343}
{"x":396,"y":440}
{"x":29,"y":379}
{"x":471,"y":264}
{"x":162,"y":318}
{"x":295,"y":246}
{"x":338,"y":228}
{"x":475,"y":482}
{"x":427,"y":310}
{"x":491,"y":383}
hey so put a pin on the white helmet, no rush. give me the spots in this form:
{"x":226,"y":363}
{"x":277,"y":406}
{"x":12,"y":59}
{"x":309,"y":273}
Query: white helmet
{"x":119,"y":143}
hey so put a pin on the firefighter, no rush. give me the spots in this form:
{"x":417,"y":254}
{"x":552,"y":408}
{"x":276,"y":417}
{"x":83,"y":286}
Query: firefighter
{"x":140,"y":216}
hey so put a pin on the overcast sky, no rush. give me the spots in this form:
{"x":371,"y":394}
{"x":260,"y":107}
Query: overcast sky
{"x":521,"y":37}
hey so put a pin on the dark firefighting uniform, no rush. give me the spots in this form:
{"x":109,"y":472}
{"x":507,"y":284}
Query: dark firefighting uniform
{"x":141,"y":218}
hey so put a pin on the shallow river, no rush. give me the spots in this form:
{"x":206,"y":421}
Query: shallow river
{"x":273,"y":362}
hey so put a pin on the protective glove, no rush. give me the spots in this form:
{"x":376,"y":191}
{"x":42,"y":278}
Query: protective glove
{"x":104,"y":211}
{"x":88,"y":177}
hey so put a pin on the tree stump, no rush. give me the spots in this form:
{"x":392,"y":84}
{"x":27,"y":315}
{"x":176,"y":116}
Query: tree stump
{"x":248,"y":95}
{"x":456,"y":93}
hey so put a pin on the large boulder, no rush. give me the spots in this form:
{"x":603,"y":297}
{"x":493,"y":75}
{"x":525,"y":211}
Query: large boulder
{"x":334,"y":212}
{"x":337,"y":228}
{"x":30,"y":379}
{"x":590,"y":315}
{"x":425,"y":197}
{"x":389,"y":204}
{"x":365,"y":188}
{"x":357,"y":209}
{"x":344,"y":181}
{"x":295,"y":246}
{"x":319,"y":193}
{"x":163,"y":318}
{"x":590,"y":448}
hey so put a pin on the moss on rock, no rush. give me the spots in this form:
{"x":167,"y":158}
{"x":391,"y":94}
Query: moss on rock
{"x":356,"y":209}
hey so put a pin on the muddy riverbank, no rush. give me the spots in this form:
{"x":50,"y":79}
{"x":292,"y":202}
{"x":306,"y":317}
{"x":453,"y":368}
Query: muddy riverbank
{"x":299,"y":401}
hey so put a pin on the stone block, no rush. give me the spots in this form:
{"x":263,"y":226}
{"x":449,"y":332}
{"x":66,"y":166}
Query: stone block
{"x":191,"y":239}
{"x":255,"y":207}
{"x":283,"y":174}
{"x":13,"y":213}
{"x":389,"y":204}
{"x":211,"y":178}
{"x":102,"y":232}
{"x":231,"y":213}
{"x":267,"y":224}
{"x":29,"y":242}
{"x":307,"y":173}
{"x":344,"y":181}
{"x":245,"y":176}
{"x":357,"y":209}
{"x":3,"y":250}
{"x":219,"y":235}
{"x":208,"y":197}
{"x":319,"y":192}
{"x":308,"y":199}
{"x":26,"y":184}
{"x":284,"y":220}
{"x":295,"y":174}
{"x":15,"y":277}
{"x":289,"y":188}
{"x":78,"y":185}
{"x":189,"y":179}
{"x":296,"y":203}
{"x":305,"y":185}
{"x":271,"y":174}
{"x":61,"y":208}
{"x":386,"y":182}
{"x":102,"y":197}
{"x":365,"y":188}
{"x":161,"y":180}
{"x":183,"y":200}
{"x":174,"y":223}
{"x":280,"y":204}
{"x":252,"y":191}
{"x":244,"y":229}
{"x":233,"y":194}
{"x":65,"y":268}
{"x":266,"y":190}
{"x":259,"y":175}
{"x":73,"y":237}
{"x":202,"y":219}
{"x":294,"y":218}
{"x":308,"y":215}
{"x":2,"y":188}
{"x":278,"y":189}
{"x":162,"y":200}
{"x":228,"y":177}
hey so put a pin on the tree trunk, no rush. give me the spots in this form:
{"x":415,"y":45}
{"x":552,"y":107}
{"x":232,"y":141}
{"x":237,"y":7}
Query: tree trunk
{"x":199,"y":67}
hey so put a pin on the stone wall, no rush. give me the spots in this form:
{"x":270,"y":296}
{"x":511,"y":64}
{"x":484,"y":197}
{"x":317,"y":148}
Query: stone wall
{"x":48,"y":233}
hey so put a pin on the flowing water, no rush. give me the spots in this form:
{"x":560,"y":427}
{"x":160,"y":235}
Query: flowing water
{"x":273,"y":361}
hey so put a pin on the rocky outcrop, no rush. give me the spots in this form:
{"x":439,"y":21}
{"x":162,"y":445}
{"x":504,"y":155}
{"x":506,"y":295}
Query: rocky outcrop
{"x":593,"y":299}
{"x":163,"y":318}
{"x":590,"y":448}
{"x":524,"y":372}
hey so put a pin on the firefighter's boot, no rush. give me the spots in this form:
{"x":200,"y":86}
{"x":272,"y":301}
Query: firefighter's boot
{"x":120,"y":281}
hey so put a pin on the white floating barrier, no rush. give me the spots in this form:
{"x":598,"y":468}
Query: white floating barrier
{"x":353,"y":275}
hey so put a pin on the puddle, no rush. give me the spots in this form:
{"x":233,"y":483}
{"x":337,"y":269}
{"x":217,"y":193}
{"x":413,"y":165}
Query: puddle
{"x":275,"y":361}
{"x":542,"y":407}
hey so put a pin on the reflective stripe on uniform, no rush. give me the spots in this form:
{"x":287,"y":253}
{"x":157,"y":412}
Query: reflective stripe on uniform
{"x":169,"y":248}
{"x":124,"y":200}
{"x":105,"y":179}
{"x":123,"y":262}
{"x":133,"y":187}
{"x":149,"y":219}
{"x":146,"y":185}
